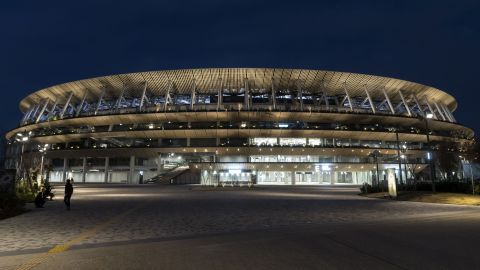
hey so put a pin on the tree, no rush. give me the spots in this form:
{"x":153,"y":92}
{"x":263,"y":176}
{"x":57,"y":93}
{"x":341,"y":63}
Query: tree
{"x":448,"y":159}
{"x":470,"y":150}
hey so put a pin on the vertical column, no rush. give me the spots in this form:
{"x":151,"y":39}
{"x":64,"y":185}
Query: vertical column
{"x":65,"y":166}
{"x":334,"y":179}
{"x":188,"y":142}
{"x":273,"y":94}
{"x":131,"y":171}
{"x":293,"y":178}
{"x":84,"y":169}
{"x":107,"y":165}
{"x":159,"y":164}
{"x":300,"y":95}
{"x":220,"y":95}
{"x":246,"y":99}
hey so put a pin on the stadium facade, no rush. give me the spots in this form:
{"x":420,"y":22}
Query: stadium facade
{"x":233,"y":126}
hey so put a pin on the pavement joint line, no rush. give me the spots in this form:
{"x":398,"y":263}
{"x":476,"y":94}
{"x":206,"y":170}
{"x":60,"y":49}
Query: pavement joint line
{"x":39,"y":259}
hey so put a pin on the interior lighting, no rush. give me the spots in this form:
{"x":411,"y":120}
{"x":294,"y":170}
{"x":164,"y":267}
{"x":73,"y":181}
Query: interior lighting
{"x":234,"y":171}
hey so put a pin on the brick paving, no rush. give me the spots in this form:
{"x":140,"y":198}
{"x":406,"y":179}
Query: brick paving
{"x":177,"y":211}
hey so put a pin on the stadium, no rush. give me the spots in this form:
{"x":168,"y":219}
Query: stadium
{"x":233,"y":126}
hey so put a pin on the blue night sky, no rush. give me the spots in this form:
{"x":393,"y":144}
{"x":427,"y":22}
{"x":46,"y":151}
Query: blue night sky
{"x":50,"y":42}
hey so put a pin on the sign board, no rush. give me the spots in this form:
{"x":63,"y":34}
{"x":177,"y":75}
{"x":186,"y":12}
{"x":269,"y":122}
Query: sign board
{"x":392,"y":184}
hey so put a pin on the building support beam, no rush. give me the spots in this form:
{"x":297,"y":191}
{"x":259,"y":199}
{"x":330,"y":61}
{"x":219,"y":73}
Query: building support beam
{"x":405,"y":104}
{"x":370,"y":99}
{"x":37,"y":107}
{"x":439,"y":111}
{"x":274,"y":96}
{"x":168,"y":98}
{"x":119,"y":99}
{"x":246,"y":98}
{"x":388,"y":101}
{"x":300,"y":95}
{"x":193,"y":95}
{"x":80,"y":106}
{"x":142,"y":98}
{"x":52,"y":110}
{"x":219,"y":95}
{"x":100,"y":101}
{"x":27,"y":114}
{"x":448,"y":113}
{"x":348,"y":96}
{"x":67,"y":103}
{"x":44,"y":107}
{"x":418,"y":105}
{"x":430,"y":108}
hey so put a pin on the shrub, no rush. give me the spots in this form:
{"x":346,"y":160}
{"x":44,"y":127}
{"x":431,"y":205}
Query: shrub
{"x":10,"y":205}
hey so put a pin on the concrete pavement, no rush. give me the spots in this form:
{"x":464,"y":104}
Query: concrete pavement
{"x":152,"y":227}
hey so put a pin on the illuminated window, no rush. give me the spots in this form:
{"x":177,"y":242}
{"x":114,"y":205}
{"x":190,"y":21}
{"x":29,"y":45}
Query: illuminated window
{"x":293,"y":141}
{"x":314,"y":142}
{"x":264,"y":141}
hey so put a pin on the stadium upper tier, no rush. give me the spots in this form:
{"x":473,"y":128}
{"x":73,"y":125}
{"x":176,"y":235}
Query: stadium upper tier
{"x":244,"y":90}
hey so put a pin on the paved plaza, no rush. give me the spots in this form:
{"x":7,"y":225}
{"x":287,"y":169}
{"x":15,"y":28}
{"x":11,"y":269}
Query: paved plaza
{"x":187,"y":227}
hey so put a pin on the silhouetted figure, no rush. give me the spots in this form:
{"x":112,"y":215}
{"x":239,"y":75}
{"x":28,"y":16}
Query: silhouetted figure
{"x":39,"y":200}
{"x":68,"y":193}
{"x":48,"y":192}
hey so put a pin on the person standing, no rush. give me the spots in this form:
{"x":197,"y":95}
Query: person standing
{"x":68,"y":193}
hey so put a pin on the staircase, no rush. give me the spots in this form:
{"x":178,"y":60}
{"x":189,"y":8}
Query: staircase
{"x":166,"y":177}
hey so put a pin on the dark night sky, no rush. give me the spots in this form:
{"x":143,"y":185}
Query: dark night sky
{"x":50,"y":42}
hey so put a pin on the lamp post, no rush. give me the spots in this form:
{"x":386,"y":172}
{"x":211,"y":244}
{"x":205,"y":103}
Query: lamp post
{"x":404,"y":156}
{"x":22,"y":137}
{"x":430,"y":154}
{"x":43,"y":150}
{"x":399,"y":158}
{"x":465,"y":161}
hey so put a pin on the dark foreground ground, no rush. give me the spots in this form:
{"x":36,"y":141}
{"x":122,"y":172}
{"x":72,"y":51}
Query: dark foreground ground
{"x":162,"y":227}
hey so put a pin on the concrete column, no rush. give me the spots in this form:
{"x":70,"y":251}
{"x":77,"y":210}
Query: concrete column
{"x":107,"y":164}
{"x":188,"y":142}
{"x":334,"y":179}
{"x":84,"y":169}
{"x":65,"y":169}
{"x":354,"y":178}
{"x":293,"y":178}
{"x":159,"y":164}
{"x":132,"y":170}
